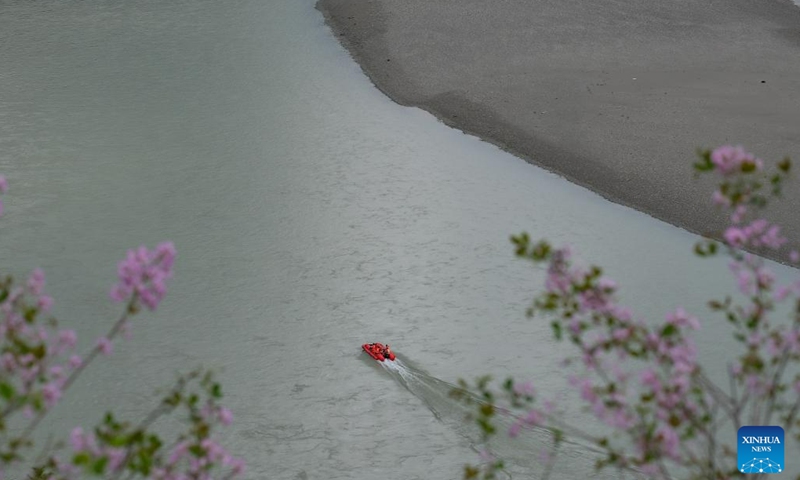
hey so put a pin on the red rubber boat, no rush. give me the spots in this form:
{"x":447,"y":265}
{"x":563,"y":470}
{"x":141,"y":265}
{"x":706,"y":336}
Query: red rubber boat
{"x":379,"y":351}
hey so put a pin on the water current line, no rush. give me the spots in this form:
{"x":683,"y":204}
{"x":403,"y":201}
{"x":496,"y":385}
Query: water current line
{"x":521,"y":454}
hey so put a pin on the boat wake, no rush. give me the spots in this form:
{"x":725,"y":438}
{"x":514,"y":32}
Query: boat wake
{"x":523,"y":456}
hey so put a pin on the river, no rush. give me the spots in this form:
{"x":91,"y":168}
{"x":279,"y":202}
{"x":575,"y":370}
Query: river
{"x":311,"y":214}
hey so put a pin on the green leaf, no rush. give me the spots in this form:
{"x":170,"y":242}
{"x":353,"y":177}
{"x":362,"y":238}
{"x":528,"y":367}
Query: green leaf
{"x":785,"y":164}
{"x":669,"y":329}
{"x":521,"y":242}
{"x":541,"y":251}
{"x":146,"y":462}
{"x":7,"y":391}
{"x":155,"y":443}
{"x":118,"y":440}
{"x":99,"y":466}
{"x":483,"y":381}
{"x":705,"y":163}
{"x":82,"y":458}
{"x":216,"y":391}
{"x":471,"y":472}
{"x":508,"y":385}
{"x":197,"y":450}
{"x":556,"y":329}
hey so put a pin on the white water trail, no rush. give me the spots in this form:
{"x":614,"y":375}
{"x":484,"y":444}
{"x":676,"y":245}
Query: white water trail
{"x":522,"y":455}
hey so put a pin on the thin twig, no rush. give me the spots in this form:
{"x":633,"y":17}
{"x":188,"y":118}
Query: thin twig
{"x":131,"y":308}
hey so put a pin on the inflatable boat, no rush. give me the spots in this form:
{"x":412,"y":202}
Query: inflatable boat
{"x":379,"y":351}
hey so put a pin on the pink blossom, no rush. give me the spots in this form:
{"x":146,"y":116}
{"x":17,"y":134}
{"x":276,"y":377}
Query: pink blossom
{"x":51,"y":394}
{"x":680,"y":318}
{"x":621,"y":420}
{"x":738,"y":214}
{"x":764,"y":278}
{"x":534,"y":418}
{"x":649,"y":378}
{"x":606,"y":284}
{"x":36,"y":282}
{"x":67,"y":338}
{"x":3,"y":184}
{"x":792,"y":342}
{"x":772,"y":237}
{"x":238,"y":466}
{"x":622,"y":334}
{"x":586,"y":388}
{"x":486,"y":455}
{"x":754,"y":384}
{"x":773,"y":347}
{"x":75,"y":361}
{"x":720,"y":200}
{"x":116,"y":458}
{"x":45,"y":303}
{"x":514,"y":430}
{"x":745,"y":283}
{"x":735,"y":236}
{"x":178,"y":452}
{"x":669,"y":441}
{"x":126,"y":330}
{"x":77,"y":440}
{"x":754,"y":339}
{"x":8,"y":361}
{"x":794,"y":256}
{"x":525,"y":388}
{"x":574,"y":326}
{"x":57,"y":371}
{"x":729,"y":160}
{"x":593,"y":299}
{"x":144,"y":273}
{"x":781,"y":293}
{"x":105,"y":346}
{"x":225,"y":416}
{"x":599,"y":409}
{"x":650,"y":469}
{"x":29,"y":374}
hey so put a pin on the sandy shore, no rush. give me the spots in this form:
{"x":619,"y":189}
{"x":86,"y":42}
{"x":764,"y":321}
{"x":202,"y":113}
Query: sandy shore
{"x":614,"y":95}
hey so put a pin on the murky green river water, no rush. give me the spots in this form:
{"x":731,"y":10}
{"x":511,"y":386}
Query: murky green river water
{"x":310,"y":214}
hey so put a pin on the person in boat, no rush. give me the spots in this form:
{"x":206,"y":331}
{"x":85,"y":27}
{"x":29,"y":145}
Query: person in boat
{"x":387,"y":352}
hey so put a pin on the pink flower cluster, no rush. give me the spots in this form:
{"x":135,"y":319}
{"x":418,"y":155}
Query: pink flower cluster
{"x":198,"y":458}
{"x":144,"y":273}
{"x":759,"y":233}
{"x":729,"y":160}
{"x":32,"y":353}
{"x":670,"y":401}
{"x":604,"y":330}
{"x":668,"y":411}
{"x":182,"y":464}
{"x":86,"y":443}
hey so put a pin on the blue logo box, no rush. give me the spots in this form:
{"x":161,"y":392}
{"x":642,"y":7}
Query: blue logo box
{"x":760,"y":449}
